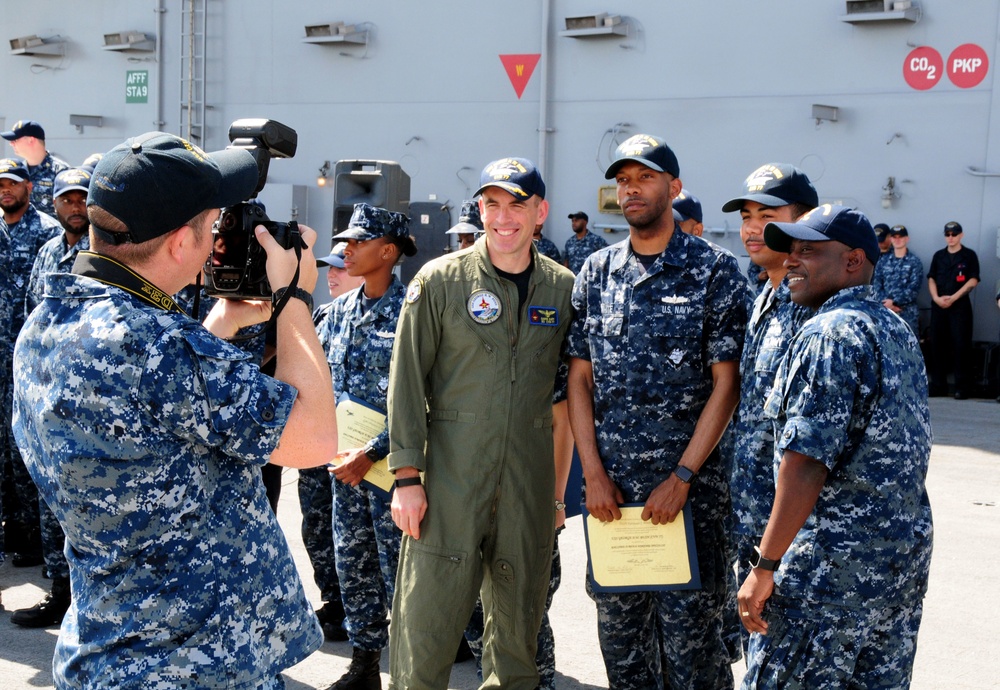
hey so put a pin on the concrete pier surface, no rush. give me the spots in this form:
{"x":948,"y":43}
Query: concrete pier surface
{"x":959,"y":645}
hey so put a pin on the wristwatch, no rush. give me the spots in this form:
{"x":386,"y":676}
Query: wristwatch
{"x":685,"y":474}
{"x":560,"y":506}
{"x":297,"y":293}
{"x":758,"y":561}
{"x":372,"y":455}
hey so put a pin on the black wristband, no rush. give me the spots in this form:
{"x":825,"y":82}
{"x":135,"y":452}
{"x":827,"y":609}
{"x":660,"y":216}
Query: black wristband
{"x":297,"y":293}
{"x":407,"y":481}
{"x":757,"y":560}
{"x":685,"y":474}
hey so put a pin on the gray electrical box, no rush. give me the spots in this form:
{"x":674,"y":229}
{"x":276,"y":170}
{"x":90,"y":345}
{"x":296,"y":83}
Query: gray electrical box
{"x":429,"y":220}
{"x":378,"y":183}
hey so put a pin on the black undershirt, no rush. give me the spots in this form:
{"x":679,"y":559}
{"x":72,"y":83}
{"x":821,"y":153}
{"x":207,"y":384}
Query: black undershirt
{"x":646,"y":260}
{"x":521,"y":281}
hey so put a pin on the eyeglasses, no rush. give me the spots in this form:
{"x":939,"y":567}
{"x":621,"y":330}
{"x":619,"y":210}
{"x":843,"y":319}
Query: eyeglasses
{"x":951,"y":233}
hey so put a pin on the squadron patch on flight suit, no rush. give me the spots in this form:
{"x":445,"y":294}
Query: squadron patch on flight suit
{"x":413,"y":290}
{"x":484,"y":307}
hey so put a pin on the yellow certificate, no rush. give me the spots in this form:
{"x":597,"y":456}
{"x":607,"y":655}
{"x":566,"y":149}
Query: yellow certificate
{"x":631,"y":554}
{"x":357,"y":424}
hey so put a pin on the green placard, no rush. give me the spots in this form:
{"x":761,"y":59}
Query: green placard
{"x":137,"y":86}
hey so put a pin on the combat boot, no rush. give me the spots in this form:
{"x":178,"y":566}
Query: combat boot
{"x":363,"y":672}
{"x":331,"y":618}
{"x":49,"y":611}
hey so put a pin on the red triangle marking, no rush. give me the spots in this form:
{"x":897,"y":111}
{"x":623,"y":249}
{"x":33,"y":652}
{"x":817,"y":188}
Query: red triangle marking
{"x":519,"y":69}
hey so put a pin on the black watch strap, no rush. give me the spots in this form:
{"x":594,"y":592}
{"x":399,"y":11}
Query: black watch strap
{"x":758,"y":561}
{"x":685,"y":474}
{"x":297,"y":293}
{"x":407,"y":481}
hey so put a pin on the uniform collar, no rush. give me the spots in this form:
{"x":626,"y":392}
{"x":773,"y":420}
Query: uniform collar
{"x":483,"y":258}
{"x":857,"y":293}
{"x":675,"y":254}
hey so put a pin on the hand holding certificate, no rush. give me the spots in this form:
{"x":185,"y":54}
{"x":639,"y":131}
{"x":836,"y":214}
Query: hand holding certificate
{"x":631,"y":554}
{"x":357,"y":424}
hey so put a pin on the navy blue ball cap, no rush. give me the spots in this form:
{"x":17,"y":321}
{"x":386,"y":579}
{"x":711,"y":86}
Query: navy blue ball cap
{"x":73,"y":179}
{"x":516,"y":176}
{"x":371,"y":222}
{"x":823,"y":223}
{"x":336,"y":257}
{"x":91,"y":161}
{"x":157,"y":182}
{"x":13,"y":169}
{"x":773,"y":185}
{"x":687,"y":207}
{"x":899,"y":231}
{"x":469,"y":219}
{"x":24,"y":128}
{"x":651,"y":151}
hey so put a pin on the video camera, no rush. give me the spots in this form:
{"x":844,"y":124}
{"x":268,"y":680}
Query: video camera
{"x":236,"y":268}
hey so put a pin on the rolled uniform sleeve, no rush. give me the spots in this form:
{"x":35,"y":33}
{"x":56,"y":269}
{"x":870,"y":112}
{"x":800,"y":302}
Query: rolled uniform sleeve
{"x":210,"y":393}
{"x":577,"y":343}
{"x":817,"y":387}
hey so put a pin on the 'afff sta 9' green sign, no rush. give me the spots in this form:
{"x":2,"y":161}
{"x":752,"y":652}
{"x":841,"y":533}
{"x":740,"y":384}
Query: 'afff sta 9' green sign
{"x":137,"y":86}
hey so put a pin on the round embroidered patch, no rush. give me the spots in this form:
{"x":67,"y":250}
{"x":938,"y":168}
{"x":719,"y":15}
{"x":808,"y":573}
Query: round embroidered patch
{"x":484,"y":307}
{"x":413,"y":290}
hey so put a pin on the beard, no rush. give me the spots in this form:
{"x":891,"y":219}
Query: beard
{"x":18,"y":206}
{"x":77,"y":230}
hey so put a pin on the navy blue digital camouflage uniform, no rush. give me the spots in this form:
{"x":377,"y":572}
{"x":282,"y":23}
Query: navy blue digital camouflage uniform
{"x":900,"y":280}
{"x":651,"y":339}
{"x":151,"y":431}
{"x":358,"y":339}
{"x":6,"y":313}
{"x":547,"y":247}
{"x":577,"y":250}
{"x":27,"y":236}
{"x":754,"y":276}
{"x":55,"y":256}
{"x":852,"y":394}
{"x":42,"y":177}
{"x":773,"y":321}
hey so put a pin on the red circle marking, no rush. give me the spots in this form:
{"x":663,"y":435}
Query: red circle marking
{"x":967,"y":66}
{"x":922,"y":68}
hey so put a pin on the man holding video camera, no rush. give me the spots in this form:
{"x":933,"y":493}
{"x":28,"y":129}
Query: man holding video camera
{"x":144,"y":431}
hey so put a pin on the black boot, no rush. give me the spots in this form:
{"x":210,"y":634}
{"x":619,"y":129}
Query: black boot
{"x":331,"y":618}
{"x":363,"y":672}
{"x":49,"y":611}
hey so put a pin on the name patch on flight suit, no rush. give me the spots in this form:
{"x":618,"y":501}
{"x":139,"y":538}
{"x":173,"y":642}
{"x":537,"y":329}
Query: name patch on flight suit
{"x":484,"y":307}
{"x":543,"y":316}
